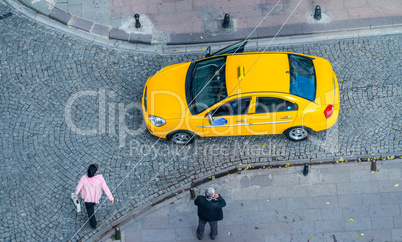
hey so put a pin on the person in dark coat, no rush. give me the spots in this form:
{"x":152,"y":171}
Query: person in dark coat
{"x":209,"y":210}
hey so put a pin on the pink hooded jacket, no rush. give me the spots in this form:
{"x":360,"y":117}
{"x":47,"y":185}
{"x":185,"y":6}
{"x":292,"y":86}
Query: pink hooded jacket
{"x":91,"y":188}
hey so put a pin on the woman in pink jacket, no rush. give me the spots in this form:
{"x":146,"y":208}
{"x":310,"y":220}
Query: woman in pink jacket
{"x":91,"y":186}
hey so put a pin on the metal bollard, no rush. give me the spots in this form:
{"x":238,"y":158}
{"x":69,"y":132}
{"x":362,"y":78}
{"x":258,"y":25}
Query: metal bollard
{"x":226,"y":21}
{"x":192,"y":193}
{"x":117,"y":235}
{"x":137,"y":21}
{"x":208,"y":52}
{"x":305,"y":170}
{"x":317,"y":12}
{"x":373,"y":165}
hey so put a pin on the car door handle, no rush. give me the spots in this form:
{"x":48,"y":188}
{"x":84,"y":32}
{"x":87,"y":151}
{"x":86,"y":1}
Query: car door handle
{"x":286,"y":117}
{"x":241,"y":121}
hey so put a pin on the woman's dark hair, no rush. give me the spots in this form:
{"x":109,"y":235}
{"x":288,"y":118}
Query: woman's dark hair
{"x":92,"y":170}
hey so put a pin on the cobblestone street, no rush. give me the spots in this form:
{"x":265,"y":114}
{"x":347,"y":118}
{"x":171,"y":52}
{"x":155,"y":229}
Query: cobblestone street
{"x":42,"y":158}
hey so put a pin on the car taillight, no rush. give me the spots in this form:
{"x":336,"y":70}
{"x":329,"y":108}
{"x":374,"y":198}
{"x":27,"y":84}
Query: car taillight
{"x":329,"y":111}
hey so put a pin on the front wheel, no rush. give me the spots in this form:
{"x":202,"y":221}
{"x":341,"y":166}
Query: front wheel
{"x":297,"y":133}
{"x":182,"y":137}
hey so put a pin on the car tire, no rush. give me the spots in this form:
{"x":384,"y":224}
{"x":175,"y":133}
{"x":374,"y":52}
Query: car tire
{"x":297,"y":133}
{"x":182,"y":137}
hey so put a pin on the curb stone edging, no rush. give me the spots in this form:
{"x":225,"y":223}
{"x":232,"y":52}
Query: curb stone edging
{"x":80,"y":23}
{"x":61,"y":16}
{"x":139,"y":43}
{"x":178,"y":193}
{"x":354,"y":30}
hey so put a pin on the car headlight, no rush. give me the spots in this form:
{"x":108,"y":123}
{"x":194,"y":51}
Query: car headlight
{"x":157,"y":121}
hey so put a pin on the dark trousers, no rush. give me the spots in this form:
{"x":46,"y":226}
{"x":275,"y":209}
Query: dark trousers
{"x":201,"y":228}
{"x":90,"y":210}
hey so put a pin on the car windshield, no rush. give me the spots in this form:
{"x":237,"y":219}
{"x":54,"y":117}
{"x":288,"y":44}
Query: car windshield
{"x":302,"y":77}
{"x":206,"y":84}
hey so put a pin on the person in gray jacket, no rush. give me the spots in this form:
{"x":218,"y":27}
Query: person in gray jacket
{"x":209,"y":210}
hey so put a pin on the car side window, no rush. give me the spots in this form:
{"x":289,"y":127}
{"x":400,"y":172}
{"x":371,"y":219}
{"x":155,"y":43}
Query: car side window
{"x":272,"y":104}
{"x":235,"y":107}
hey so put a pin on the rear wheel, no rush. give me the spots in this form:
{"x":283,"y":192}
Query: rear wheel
{"x":182,"y":137}
{"x":297,"y":133}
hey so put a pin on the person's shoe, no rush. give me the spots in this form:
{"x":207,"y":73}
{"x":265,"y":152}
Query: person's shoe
{"x":212,"y":238}
{"x":196,"y":232}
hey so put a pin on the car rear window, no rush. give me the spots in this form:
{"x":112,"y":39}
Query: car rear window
{"x":302,"y":77}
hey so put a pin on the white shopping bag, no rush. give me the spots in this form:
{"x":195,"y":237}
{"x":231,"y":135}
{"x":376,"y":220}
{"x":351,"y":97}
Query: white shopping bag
{"x":76,"y":202}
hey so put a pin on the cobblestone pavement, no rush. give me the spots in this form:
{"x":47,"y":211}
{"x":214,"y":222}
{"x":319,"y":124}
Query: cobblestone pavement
{"x":42,"y":158}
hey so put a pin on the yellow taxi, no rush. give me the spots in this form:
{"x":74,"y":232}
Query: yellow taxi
{"x":233,"y":93}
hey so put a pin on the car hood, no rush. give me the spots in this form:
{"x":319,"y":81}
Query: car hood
{"x":166,"y":92}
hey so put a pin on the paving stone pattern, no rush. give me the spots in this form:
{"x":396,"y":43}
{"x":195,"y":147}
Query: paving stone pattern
{"x":42,"y":159}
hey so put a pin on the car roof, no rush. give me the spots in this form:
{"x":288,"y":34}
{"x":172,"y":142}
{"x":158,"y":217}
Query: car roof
{"x":268,"y":72}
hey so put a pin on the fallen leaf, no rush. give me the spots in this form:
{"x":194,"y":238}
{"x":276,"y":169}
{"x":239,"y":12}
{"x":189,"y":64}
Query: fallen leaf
{"x":357,"y":236}
{"x":201,"y":37}
{"x":351,"y":219}
{"x":396,"y":185}
{"x":327,"y":202}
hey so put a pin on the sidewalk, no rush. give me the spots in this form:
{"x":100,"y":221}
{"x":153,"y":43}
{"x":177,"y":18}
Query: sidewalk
{"x":340,"y":202}
{"x":200,"y":21}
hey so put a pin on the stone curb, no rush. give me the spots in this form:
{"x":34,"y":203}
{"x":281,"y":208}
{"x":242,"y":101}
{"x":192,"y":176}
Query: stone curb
{"x":113,"y":37}
{"x":168,"y":198}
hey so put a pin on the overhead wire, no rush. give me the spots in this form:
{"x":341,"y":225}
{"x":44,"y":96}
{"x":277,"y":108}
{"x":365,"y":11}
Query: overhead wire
{"x":157,"y":174}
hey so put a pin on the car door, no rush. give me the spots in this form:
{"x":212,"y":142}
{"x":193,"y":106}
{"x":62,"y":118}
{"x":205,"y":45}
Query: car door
{"x":230,"y":118}
{"x":272,"y":115}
